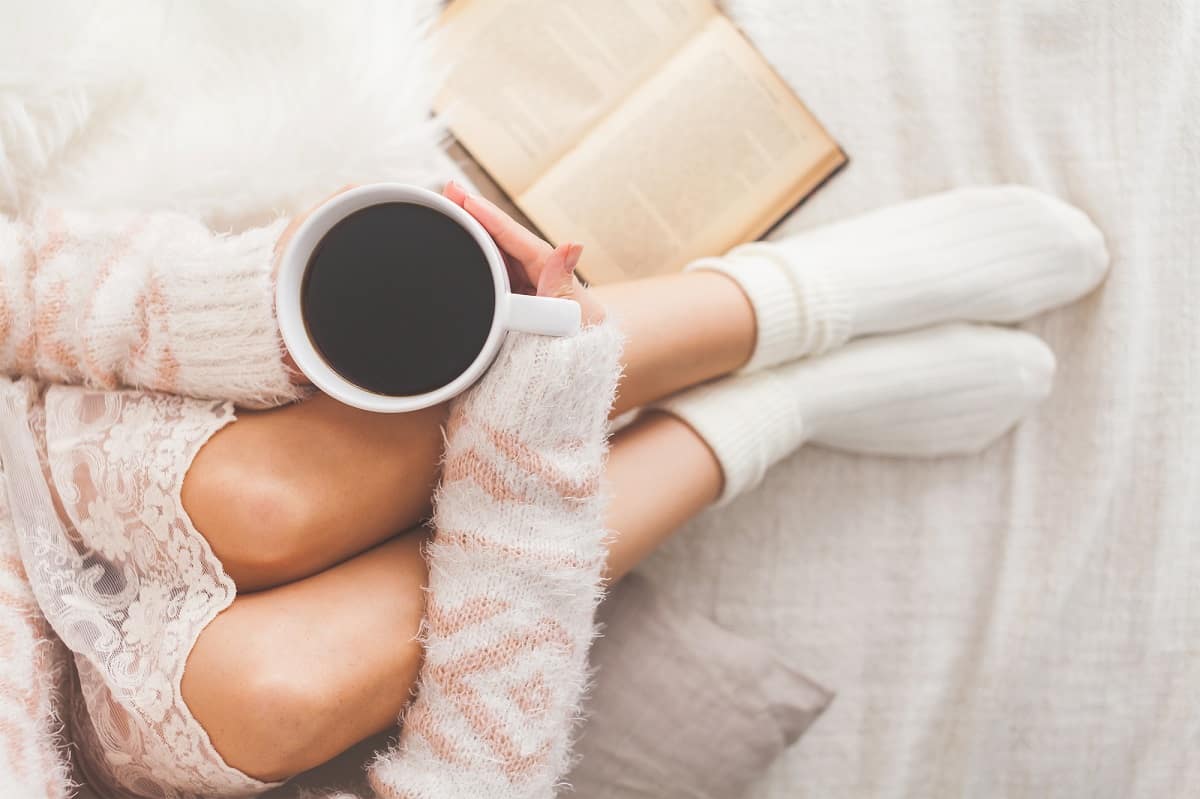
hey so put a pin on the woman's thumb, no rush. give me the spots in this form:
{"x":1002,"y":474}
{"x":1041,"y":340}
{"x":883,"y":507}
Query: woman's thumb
{"x":558,"y":274}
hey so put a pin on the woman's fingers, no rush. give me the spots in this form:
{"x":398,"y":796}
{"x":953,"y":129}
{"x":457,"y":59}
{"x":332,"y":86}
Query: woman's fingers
{"x":531,"y":262}
{"x":558,"y":280}
{"x":455,"y":193}
{"x":558,"y":271}
{"x":513,"y":238}
{"x":518,"y":278}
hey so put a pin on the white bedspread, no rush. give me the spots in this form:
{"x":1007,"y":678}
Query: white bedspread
{"x":1025,"y":623}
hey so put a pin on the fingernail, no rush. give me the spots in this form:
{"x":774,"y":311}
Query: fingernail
{"x":573,"y":254}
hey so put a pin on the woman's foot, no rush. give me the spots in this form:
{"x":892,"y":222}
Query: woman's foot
{"x":987,"y":254}
{"x":945,"y":390}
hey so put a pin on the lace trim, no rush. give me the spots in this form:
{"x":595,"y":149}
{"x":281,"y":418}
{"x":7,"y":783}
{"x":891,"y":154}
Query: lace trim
{"x":214,"y":564}
{"x":128,"y":582}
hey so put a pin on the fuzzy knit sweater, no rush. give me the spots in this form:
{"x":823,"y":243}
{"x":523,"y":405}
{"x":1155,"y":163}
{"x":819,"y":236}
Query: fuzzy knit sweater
{"x":152,"y":300}
{"x":515,"y":569}
{"x":156,"y":301}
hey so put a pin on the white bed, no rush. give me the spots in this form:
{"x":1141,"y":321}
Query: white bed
{"x":1025,"y":623}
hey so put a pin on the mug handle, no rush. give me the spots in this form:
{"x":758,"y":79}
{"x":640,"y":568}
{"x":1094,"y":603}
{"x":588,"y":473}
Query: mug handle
{"x":546,"y":316}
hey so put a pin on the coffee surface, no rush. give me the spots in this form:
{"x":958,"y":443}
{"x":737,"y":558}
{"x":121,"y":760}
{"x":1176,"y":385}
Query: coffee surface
{"x":398,"y":298}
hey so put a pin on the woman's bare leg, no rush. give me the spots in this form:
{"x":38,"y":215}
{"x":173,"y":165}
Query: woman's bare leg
{"x":680,"y":330}
{"x":348,"y":632}
{"x":286,"y":678}
{"x":282,"y":494}
{"x":660,"y":474}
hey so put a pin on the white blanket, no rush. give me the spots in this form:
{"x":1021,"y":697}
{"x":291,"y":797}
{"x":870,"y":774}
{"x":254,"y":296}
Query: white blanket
{"x":1025,"y":623}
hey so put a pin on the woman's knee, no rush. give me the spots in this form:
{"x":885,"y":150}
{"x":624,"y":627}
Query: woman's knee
{"x":255,"y":705}
{"x":268,"y":714}
{"x":271,"y":722}
{"x":285,"y":679}
{"x":285,"y":494}
{"x":260,"y":522}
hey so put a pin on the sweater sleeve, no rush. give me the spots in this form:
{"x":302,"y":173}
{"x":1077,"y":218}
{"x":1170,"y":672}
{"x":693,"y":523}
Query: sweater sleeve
{"x":155,"y":301}
{"x":515,"y":574}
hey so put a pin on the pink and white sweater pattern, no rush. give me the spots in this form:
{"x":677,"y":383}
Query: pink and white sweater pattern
{"x":148,"y":300}
{"x":515,"y":575}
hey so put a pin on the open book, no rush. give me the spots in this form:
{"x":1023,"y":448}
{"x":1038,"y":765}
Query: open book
{"x":650,"y":131}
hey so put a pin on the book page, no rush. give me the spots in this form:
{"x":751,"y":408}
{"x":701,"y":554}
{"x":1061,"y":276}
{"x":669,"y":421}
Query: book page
{"x":529,"y":77}
{"x":708,"y":153}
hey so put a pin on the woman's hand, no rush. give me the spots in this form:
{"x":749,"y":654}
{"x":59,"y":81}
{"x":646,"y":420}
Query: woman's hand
{"x":534,"y":267}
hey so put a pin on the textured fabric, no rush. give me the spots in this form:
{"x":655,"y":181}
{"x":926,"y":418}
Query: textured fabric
{"x":1024,"y":623}
{"x":33,"y":674}
{"x":120,"y":574}
{"x":515,"y":568}
{"x":981,"y":254}
{"x":947,"y":390}
{"x":977,"y":254}
{"x":940,"y":391}
{"x":683,"y":708}
{"x":233,"y":113}
{"x":155,"y":301}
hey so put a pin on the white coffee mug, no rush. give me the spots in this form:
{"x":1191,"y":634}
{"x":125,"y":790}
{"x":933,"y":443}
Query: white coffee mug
{"x":516,"y":312}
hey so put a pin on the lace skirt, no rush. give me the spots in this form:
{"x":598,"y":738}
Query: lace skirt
{"x":124,"y":577}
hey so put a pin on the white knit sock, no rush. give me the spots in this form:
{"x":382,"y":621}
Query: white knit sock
{"x":945,"y":390}
{"x":988,"y":254}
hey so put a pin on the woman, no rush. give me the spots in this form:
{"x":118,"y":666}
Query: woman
{"x":300,"y":511}
{"x":266,"y":551}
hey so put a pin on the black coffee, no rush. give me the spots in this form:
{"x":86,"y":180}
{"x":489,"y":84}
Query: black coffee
{"x":398,"y":299}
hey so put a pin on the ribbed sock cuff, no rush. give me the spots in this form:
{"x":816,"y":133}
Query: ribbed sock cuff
{"x":824,"y":304}
{"x":799,"y":310}
{"x":750,"y":422}
{"x":773,"y":297}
